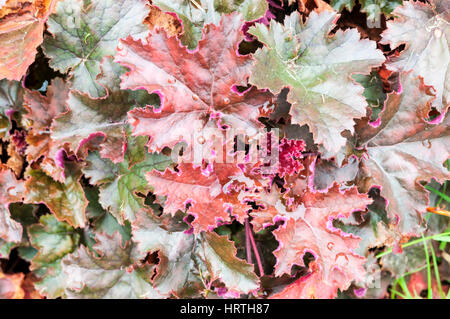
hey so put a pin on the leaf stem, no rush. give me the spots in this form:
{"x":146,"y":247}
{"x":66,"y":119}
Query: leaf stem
{"x":248,"y":247}
{"x":255,"y":250}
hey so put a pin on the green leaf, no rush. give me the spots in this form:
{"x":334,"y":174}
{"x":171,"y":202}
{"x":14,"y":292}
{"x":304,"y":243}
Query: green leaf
{"x":11,"y":100}
{"x":195,"y":14}
{"x":339,"y":5}
{"x":25,"y":215}
{"x":104,"y":118}
{"x":20,"y":216}
{"x":373,"y":8}
{"x":187,"y":260}
{"x":5,"y":248}
{"x":120,"y":183}
{"x":115,"y":273}
{"x":53,"y":240}
{"x":66,"y":200}
{"x":317,"y":68}
{"x":102,"y":220}
{"x":83,"y":33}
{"x":174,"y":249}
{"x":220,"y":256}
{"x":53,"y":280}
{"x":373,"y":92}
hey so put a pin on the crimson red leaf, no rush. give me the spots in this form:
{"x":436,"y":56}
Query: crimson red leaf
{"x":195,"y":87}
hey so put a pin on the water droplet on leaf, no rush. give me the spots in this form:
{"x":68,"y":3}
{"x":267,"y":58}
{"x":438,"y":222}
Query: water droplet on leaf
{"x":340,"y":257}
{"x":437,"y":33}
{"x":12,"y":191}
{"x":201,"y":140}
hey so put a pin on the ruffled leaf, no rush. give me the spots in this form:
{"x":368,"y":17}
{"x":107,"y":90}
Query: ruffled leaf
{"x":326,"y":173}
{"x":11,"y":101}
{"x":311,"y":230}
{"x":201,"y":194}
{"x":235,"y":273}
{"x":424,"y":30}
{"x":85,"y":32}
{"x":53,"y":240}
{"x":196,"y":87}
{"x":113,"y":272}
{"x":404,"y":150}
{"x":195,"y":15}
{"x":120,"y":183}
{"x":42,"y":110}
{"x":65,"y":200}
{"x":11,"y":286}
{"x":104,"y":118}
{"x":11,"y":190}
{"x":21,"y":32}
{"x":310,"y":286}
{"x":317,"y":68}
{"x":174,"y":249}
{"x":373,"y":92}
{"x":373,"y":8}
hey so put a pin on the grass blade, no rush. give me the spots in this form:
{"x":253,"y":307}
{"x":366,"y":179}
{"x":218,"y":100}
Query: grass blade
{"x":430,"y":290}
{"x":411,"y":243}
{"x":436,"y":272}
{"x":445,"y":239}
{"x":433,"y":190}
{"x":402,"y":283}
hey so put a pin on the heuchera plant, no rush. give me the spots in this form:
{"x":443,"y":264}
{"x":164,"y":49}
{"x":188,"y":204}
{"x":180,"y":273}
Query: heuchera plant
{"x":234,"y":149}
